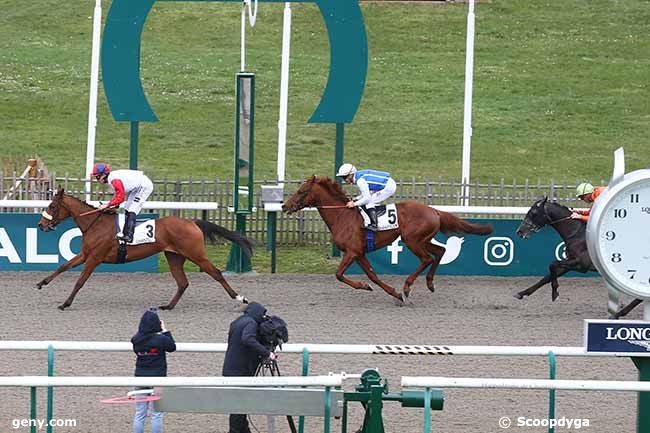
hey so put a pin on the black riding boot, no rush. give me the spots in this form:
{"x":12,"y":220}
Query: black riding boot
{"x":129,"y":227}
{"x":372,"y":214}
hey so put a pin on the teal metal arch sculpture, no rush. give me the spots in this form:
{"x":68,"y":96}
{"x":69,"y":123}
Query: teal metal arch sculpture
{"x":341,"y":97}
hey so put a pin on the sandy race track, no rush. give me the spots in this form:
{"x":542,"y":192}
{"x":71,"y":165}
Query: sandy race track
{"x":318,"y":309}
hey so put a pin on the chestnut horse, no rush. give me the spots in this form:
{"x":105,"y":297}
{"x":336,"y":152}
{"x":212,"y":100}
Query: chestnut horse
{"x":179,"y":238}
{"x":418,"y":224}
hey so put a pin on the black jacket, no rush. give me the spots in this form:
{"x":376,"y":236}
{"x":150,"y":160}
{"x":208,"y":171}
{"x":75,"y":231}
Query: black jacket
{"x":150,"y":345}
{"x":244,"y":350}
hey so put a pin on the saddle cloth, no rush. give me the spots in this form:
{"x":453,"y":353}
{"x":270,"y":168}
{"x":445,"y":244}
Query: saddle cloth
{"x":386,"y":217}
{"x":145,"y":230}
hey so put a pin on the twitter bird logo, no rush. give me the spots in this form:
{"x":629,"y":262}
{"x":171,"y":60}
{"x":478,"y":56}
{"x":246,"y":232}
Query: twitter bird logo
{"x":452,"y":248}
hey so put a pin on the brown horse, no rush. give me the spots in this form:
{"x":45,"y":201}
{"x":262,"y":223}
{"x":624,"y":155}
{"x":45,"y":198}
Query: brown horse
{"x":418,"y":225}
{"x":180,"y":239}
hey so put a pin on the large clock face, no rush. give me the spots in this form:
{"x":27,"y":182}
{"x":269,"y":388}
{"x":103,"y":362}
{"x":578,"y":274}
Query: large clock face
{"x":624,"y":238}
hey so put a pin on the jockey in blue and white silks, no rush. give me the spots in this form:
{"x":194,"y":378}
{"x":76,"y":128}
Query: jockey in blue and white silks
{"x":375,"y":187}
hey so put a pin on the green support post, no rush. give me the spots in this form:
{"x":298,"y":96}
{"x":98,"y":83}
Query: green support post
{"x":238,"y":262}
{"x":643,"y":410}
{"x":133,"y":148}
{"x":50,"y":390}
{"x":305,"y":372}
{"x":32,"y":408}
{"x":244,"y":142}
{"x":427,"y":410}
{"x":374,"y":409}
{"x":551,"y":392}
{"x":370,"y":393}
{"x":373,"y":391}
{"x":338,"y":160}
{"x":326,"y":414}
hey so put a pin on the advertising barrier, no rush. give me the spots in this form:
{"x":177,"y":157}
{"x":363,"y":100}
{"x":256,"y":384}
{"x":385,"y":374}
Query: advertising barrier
{"x":501,"y":253}
{"x":24,"y":247}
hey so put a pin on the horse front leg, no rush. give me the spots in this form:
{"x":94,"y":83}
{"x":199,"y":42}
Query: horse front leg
{"x":75,"y":261}
{"x":346,"y":261}
{"x":557,"y":270}
{"x":367,"y":268}
{"x":532,"y":289}
{"x":91,"y":264}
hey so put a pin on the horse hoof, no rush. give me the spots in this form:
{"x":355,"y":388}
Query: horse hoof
{"x":242,"y":299}
{"x":62,"y":307}
{"x":368,"y":288}
{"x":40,"y":285}
{"x":165,"y":307}
{"x":431,"y":287}
{"x":407,"y":299}
{"x":554,"y":296}
{"x":518,"y":296}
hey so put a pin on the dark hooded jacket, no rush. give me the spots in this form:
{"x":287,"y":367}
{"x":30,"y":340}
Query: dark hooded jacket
{"x":150,"y":345}
{"x":244,"y":349}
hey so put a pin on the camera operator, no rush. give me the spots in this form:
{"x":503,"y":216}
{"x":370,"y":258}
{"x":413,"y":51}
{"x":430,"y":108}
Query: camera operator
{"x":244,"y":354}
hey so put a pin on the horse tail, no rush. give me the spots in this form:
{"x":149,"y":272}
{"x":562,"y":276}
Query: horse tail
{"x":210,"y":230}
{"x":450,"y":223}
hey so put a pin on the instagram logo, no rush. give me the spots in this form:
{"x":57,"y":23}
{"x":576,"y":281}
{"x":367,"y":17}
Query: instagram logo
{"x":498,"y":251}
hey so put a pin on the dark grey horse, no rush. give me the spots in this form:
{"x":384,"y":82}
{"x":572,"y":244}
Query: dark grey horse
{"x":574,"y":234}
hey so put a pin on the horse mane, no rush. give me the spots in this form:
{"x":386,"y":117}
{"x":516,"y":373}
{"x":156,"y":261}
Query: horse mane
{"x":560,"y":205}
{"x":80,"y":200}
{"x":333,"y":187}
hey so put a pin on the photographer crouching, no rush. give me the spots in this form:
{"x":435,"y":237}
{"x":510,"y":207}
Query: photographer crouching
{"x":246,"y":352}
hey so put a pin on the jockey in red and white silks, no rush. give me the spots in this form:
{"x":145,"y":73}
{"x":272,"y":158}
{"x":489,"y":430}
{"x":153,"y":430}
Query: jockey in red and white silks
{"x":131,"y":188}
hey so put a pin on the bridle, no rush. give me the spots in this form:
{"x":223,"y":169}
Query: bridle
{"x":301,"y":197}
{"x":299,"y":205}
{"x":54,"y":219}
{"x":548,"y":221}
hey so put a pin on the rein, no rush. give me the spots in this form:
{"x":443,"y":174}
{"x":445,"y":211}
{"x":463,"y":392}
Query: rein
{"x":333,"y":206}
{"x":99,"y":215}
{"x":552,"y":222}
{"x":88,"y":213}
{"x":558,"y":220}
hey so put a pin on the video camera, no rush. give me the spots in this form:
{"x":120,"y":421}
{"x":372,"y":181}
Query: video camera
{"x":273,"y":332}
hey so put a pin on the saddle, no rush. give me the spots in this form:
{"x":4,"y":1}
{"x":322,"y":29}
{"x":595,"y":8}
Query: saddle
{"x":145,"y":232}
{"x":386,"y":217}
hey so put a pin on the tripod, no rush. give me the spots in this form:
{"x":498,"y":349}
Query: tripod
{"x":270,"y":367}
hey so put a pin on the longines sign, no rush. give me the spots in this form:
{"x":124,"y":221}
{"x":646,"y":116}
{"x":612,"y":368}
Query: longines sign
{"x":23,"y":247}
{"x":617,"y":337}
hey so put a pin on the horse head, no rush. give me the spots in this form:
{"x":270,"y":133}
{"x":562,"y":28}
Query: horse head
{"x":305,"y":196}
{"x":56,"y":212}
{"x":534,"y":220}
{"x":540,"y":214}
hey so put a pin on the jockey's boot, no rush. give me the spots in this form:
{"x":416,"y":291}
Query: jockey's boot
{"x":129,"y":228}
{"x":372,"y":214}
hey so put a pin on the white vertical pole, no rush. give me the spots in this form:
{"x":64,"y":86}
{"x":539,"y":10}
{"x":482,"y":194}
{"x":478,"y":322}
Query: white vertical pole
{"x":242,"y":67}
{"x":467,"y":122}
{"x":646,"y":310}
{"x":92,"y":104}
{"x":284,"y":93}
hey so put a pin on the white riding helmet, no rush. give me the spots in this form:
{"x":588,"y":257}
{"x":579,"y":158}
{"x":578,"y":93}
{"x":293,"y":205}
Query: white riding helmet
{"x":345,"y":170}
